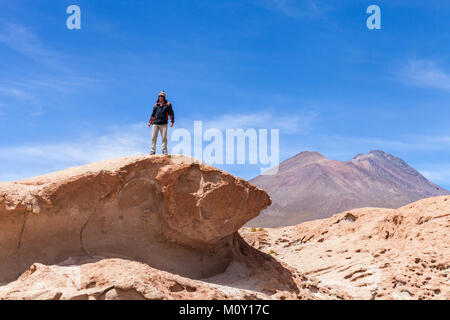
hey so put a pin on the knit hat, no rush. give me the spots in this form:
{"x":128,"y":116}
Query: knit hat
{"x":162,"y":93}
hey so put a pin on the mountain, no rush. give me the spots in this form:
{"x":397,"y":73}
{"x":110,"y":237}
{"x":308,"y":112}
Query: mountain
{"x":309,"y":186}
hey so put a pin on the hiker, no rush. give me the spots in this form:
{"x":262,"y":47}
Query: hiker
{"x":160,"y":117}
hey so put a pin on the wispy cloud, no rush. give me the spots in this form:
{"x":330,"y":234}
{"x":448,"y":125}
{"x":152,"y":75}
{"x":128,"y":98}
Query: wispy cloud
{"x":32,"y":159}
{"x":345,"y":147}
{"x":22,"y":40}
{"x":299,"y":123}
{"x":297,"y":9}
{"x":89,"y":148}
{"x":24,"y":87}
{"x":25,"y":93}
{"x":439,"y":174}
{"x":426,"y":74}
{"x":12,"y":92}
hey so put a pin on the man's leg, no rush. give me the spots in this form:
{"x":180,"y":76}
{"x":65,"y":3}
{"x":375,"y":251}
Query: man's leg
{"x":163,"y":129}
{"x":154,"y":138}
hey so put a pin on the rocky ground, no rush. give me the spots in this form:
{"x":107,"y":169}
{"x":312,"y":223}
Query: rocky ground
{"x":370,"y":253}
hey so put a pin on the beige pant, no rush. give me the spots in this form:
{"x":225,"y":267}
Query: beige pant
{"x":156,"y":128}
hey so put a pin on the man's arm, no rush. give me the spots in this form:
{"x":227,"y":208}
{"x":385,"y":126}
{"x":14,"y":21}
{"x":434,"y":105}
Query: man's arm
{"x":171,"y":114}
{"x":153,"y":116}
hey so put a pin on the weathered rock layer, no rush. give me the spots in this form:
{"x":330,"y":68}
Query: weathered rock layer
{"x":370,"y":253}
{"x":251,"y":275}
{"x":170,"y":213}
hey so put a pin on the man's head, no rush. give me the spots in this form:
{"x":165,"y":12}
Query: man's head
{"x":162,"y":96}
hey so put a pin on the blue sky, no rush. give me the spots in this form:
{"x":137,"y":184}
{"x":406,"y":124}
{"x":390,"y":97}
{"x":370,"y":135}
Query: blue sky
{"x":310,"y":68}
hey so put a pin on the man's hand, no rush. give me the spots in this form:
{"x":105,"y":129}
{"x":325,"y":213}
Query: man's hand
{"x":171,"y":124}
{"x":149,"y":124}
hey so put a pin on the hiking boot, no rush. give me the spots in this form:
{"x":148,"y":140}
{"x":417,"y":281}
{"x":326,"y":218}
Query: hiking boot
{"x":152,"y":153}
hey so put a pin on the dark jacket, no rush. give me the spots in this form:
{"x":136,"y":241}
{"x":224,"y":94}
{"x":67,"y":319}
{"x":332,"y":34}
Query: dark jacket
{"x":162,"y":112}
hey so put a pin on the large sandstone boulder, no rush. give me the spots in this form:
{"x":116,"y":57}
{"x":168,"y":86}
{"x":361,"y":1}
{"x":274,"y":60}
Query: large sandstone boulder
{"x":170,"y":213}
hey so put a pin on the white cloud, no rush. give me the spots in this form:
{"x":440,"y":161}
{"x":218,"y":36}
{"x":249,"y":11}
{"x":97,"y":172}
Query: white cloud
{"x":426,"y":74}
{"x":439,"y":174}
{"x":119,"y":142}
{"x":299,"y":123}
{"x":31,"y":159}
{"x":22,"y":40}
{"x":19,"y":93}
{"x":12,"y":92}
{"x":51,"y":73}
{"x":401,"y":143}
{"x":29,"y":88}
{"x":293,"y":8}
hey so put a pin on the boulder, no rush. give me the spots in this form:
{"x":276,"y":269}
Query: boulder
{"x":168,"y":212}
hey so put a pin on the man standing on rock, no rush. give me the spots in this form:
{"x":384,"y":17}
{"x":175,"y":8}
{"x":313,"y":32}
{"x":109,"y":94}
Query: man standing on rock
{"x":160,"y":118}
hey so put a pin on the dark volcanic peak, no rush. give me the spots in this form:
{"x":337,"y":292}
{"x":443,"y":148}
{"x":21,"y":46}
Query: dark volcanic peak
{"x":309,"y":186}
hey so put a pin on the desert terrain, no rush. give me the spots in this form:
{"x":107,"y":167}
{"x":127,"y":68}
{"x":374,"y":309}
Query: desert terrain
{"x":168,"y":227}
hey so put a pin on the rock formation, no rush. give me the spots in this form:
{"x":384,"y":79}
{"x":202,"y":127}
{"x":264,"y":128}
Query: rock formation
{"x":157,"y":210}
{"x":160,"y":227}
{"x":370,"y":253}
{"x":142,"y":227}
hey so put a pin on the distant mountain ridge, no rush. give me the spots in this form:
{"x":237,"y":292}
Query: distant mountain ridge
{"x":310,"y":186}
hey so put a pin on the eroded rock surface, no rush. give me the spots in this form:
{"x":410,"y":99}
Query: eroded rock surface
{"x":252,"y":275}
{"x":166,"y":228}
{"x":369,"y":253}
{"x":170,"y":213}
